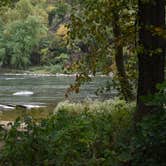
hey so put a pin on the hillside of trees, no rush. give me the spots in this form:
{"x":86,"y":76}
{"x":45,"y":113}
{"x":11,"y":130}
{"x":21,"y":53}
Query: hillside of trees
{"x":33,"y":33}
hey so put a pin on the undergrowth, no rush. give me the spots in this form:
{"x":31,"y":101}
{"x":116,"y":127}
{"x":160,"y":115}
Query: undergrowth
{"x":87,"y":134}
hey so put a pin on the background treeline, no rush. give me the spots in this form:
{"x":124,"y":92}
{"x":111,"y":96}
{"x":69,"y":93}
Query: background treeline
{"x":33,"y":33}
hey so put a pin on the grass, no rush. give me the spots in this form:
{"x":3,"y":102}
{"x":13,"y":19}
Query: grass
{"x":37,"y":113}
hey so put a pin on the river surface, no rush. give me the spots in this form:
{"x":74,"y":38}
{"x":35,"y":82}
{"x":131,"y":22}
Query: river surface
{"x":43,"y":90}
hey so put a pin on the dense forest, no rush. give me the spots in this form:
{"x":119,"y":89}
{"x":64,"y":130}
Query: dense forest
{"x":122,"y":40}
{"x":33,"y":33}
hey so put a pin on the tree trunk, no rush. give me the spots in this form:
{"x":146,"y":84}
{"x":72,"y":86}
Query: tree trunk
{"x":126,"y":88}
{"x":151,"y":63}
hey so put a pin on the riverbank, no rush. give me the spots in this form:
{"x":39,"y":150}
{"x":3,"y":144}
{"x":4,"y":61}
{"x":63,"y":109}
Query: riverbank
{"x":38,"y":71}
{"x":43,"y":71}
{"x":36,"y":113}
{"x":35,"y":70}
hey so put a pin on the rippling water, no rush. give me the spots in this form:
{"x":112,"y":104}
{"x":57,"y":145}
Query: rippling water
{"x":44,"y":89}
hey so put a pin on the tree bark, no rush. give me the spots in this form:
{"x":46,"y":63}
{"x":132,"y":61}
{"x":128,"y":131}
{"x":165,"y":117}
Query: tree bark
{"x":126,"y":88}
{"x":150,"y":63}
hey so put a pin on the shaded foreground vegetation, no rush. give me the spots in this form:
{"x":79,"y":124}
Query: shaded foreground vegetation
{"x":92,"y":133}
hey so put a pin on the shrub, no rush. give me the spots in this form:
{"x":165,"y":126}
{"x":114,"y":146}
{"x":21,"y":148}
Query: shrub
{"x":92,"y":133}
{"x":54,"y":69}
{"x":149,"y":142}
{"x":87,"y":134}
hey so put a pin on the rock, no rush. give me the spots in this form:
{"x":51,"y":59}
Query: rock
{"x":29,"y":106}
{"x":21,"y":107}
{"x":6,"y":107}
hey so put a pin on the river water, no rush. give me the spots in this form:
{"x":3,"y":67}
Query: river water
{"x":43,"y":90}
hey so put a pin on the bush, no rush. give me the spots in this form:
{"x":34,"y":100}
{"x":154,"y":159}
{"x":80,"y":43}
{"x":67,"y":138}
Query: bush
{"x":54,"y":69}
{"x":87,"y":134}
{"x":149,"y":142}
{"x":78,"y":134}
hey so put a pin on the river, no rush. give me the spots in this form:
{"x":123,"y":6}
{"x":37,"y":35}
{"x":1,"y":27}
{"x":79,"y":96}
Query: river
{"x":21,"y":89}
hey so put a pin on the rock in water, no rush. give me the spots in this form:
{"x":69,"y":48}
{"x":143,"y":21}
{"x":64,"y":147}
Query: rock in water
{"x":23,"y":93}
{"x":6,"y":107}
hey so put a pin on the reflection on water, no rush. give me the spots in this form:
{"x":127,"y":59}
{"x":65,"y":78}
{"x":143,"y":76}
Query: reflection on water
{"x":43,"y":90}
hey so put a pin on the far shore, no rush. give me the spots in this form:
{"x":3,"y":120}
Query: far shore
{"x":46,"y":74}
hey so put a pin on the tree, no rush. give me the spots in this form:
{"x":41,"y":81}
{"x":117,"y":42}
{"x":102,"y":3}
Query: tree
{"x":119,"y":56}
{"x":21,"y":31}
{"x":151,"y":53}
{"x":102,"y":30}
